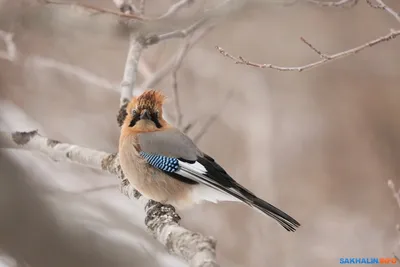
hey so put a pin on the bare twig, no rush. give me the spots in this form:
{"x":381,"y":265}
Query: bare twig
{"x":189,"y":126}
{"x":129,"y":79}
{"x":325,"y":57}
{"x":11,"y":50}
{"x":381,"y":5}
{"x":178,"y":62}
{"x":162,"y":221}
{"x":178,"y":33}
{"x":178,"y":111}
{"x":340,"y":3}
{"x":212,"y":118}
{"x":94,"y":8}
{"x":175,"y":8}
{"x":171,"y":63}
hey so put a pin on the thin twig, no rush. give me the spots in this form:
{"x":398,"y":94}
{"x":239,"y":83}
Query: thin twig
{"x":385,"y":7}
{"x":326,"y":58}
{"x":189,"y":126}
{"x":175,"y":8}
{"x":171,"y":63}
{"x":129,"y":79}
{"x":178,"y":62}
{"x":182,"y":33}
{"x":212,"y":118}
{"x":94,"y":8}
{"x":178,"y":111}
{"x":340,"y":3}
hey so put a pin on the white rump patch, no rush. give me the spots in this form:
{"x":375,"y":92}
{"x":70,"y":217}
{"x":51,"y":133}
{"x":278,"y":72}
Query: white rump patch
{"x":202,"y":193}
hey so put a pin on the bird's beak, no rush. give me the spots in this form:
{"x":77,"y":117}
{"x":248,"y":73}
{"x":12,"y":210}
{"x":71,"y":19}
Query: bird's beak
{"x":145,"y":115}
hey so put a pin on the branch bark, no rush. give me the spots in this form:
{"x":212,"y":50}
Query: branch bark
{"x":136,"y":46}
{"x":161,"y":220}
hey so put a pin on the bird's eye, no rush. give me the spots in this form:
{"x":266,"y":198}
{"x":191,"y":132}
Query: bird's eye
{"x":134,"y":112}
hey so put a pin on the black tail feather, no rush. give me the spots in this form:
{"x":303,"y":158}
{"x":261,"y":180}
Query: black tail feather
{"x":241,"y":193}
{"x":289,"y":223}
{"x":281,"y":217}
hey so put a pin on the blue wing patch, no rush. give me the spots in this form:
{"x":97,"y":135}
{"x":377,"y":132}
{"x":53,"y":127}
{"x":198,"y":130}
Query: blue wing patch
{"x":163,"y":163}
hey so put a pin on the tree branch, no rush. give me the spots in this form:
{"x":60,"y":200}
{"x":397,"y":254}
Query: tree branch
{"x":129,"y":79}
{"x":211,"y":119}
{"x":383,"y":6}
{"x":325,"y":57}
{"x":341,"y":3}
{"x":175,"y":8}
{"x":96,"y":9}
{"x":161,"y":220}
{"x":171,"y":64}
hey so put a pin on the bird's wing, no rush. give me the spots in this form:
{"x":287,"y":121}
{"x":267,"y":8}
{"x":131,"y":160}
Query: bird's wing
{"x":175,"y":154}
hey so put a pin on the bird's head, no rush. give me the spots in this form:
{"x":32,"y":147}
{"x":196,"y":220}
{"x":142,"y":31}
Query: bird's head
{"x":144,"y":112}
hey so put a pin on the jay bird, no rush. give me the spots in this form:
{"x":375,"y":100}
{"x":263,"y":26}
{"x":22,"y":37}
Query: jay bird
{"x":164,"y":164}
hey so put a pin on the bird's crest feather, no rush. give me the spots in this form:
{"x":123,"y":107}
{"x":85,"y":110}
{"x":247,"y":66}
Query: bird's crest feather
{"x":150,"y":99}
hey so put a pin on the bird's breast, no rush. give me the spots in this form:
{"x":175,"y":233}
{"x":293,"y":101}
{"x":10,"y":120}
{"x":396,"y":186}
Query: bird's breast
{"x":151,"y":182}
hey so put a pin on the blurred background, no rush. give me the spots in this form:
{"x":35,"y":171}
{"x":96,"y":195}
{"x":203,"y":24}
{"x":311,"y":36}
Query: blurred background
{"x":320,"y":144}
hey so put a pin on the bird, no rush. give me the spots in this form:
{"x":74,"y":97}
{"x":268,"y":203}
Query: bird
{"x":165,"y":165}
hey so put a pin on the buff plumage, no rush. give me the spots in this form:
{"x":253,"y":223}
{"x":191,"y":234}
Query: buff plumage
{"x":165,"y":165}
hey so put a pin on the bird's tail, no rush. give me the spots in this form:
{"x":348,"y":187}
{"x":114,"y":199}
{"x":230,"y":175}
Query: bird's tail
{"x":289,"y":223}
{"x":239,"y":192}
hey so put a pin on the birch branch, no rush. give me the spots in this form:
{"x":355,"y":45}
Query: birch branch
{"x":136,"y":46}
{"x":161,"y":220}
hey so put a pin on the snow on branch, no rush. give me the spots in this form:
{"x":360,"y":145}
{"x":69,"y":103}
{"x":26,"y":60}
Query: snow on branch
{"x":325,"y":58}
{"x":161,"y":220}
